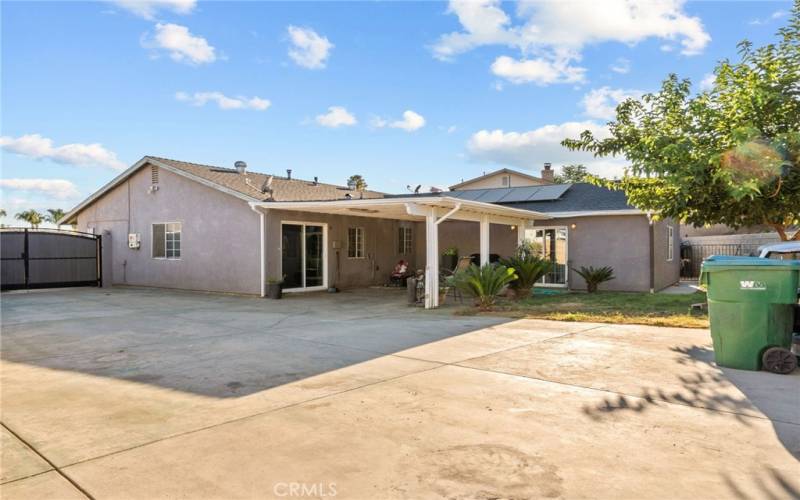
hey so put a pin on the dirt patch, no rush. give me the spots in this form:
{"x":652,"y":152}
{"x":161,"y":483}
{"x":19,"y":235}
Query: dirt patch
{"x":488,"y":472}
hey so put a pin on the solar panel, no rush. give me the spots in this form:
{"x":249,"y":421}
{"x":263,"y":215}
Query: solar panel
{"x":548,"y":193}
{"x":512,"y":195}
{"x":519,"y":194}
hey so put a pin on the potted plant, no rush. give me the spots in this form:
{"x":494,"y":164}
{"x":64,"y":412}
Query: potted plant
{"x":274,"y":288}
{"x":450,"y":259}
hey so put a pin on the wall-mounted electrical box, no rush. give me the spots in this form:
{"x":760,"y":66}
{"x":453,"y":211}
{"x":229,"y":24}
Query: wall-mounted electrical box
{"x":134,"y":241}
{"x":336,"y":244}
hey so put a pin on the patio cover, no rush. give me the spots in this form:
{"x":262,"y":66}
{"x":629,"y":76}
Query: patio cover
{"x":431,"y":209}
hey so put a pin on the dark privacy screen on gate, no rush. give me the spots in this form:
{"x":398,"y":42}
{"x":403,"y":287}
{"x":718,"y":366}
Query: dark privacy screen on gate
{"x":48,"y":258}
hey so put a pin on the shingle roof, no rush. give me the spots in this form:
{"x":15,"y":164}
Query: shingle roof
{"x":249,"y":184}
{"x":580,"y":197}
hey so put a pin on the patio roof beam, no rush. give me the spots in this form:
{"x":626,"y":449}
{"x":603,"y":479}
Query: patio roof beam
{"x":448,"y":214}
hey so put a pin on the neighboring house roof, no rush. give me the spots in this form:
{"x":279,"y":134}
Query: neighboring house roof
{"x":244,"y":186}
{"x":496,"y":172}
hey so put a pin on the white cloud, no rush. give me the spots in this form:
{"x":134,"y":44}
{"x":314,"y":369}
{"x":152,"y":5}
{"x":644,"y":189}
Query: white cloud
{"x":58,"y":188}
{"x":602,"y":103}
{"x":309,"y":49}
{"x":707,"y":83}
{"x":337,"y":116}
{"x":775,"y":15}
{"x":149,"y":8}
{"x":223,"y":101}
{"x":40,"y":148}
{"x":621,"y":66}
{"x":552,"y":34}
{"x":181,"y":44}
{"x":539,"y":71}
{"x":531,"y":149}
{"x":411,"y":121}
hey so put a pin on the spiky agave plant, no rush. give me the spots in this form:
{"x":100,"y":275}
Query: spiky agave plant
{"x":593,"y":277}
{"x":529,"y":268}
{"x":484,"y":283}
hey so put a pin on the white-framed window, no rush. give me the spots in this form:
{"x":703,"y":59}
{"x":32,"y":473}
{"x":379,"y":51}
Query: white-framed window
{"x":506,"y":181}
{"x":167,"y":240}
{"x":670,"y":243}
{"x":355,"y":242}
{"x":404,"y":241}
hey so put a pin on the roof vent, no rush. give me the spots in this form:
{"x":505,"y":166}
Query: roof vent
{"x":316,"y":180}
{"x":240,"y":166}
{"x":289,"y":173}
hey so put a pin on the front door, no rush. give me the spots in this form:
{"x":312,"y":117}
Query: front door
{"x":303,"y":261}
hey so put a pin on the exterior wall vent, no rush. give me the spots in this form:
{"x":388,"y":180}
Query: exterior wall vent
{"x":153,"y":175}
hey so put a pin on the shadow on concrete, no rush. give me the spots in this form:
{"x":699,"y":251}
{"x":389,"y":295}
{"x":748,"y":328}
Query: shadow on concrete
{"x":775,"y":396}
{"x":770,"y":483}
{"x":216,"y":345}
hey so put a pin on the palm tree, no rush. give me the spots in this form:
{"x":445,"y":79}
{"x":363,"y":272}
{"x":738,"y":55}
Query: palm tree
{"x":54,"y":215}
{"x":31,"y":216}
{"x":357,"y":182}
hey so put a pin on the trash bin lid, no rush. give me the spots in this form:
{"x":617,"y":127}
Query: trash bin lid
{"x":725,"y":262}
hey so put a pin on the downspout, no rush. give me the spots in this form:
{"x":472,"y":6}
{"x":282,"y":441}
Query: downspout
{"x":261,"y":223}
{"x":448,"y":214}
{"x":652,"y":239}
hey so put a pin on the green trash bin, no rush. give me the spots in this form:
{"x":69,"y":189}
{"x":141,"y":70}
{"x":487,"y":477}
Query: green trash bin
{"x":751,"y":308}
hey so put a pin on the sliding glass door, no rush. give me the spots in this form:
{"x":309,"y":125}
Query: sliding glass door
{"x":303,"y":256}
{"x":552,"y":245}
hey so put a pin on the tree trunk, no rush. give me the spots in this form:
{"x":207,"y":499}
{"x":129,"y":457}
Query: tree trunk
{"x":781,"y":230}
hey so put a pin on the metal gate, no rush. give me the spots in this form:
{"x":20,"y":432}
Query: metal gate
{"x":692,"y":256}
{"x":48,"y":258}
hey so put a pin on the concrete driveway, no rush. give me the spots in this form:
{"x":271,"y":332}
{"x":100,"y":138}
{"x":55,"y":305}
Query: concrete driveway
{"x":136,"y":393}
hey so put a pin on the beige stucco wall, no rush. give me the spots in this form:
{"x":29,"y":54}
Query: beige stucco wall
{"x":496,"y":181}
{"x":466,"y":237}
{"x":622,"y":242}
{"x":381,"y":246}
{"x":219,"y":234}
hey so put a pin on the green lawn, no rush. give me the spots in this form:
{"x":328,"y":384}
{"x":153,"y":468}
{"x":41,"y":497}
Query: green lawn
{"x":606,"y":307}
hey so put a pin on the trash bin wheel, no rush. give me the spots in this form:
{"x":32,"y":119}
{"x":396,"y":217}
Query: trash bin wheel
{"x":779,"y":360}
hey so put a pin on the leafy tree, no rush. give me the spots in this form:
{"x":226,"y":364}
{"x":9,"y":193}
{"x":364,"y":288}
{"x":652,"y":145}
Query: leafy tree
{"x":571,"y":174}
{"x":32,"y":217}
{"x":54,"y":215}
{"x":358,"y":182}
{"x":728,"y":155}
{"x":2,"y":212}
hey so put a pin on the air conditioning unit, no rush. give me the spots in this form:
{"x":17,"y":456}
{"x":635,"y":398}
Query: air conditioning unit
{"x":134,"y":241}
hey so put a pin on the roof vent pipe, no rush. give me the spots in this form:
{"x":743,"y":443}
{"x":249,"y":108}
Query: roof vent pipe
{"x":240,"y":166}
{"x":289,"y":173}
{"x":316,"y":180}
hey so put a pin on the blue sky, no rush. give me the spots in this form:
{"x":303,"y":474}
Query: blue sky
{"x":402,"y":93}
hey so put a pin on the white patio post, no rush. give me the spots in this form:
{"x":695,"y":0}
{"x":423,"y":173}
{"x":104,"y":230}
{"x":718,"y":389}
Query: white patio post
{"x":431,"y":260}
{"x":484,"y":245}
{"x":521,"y":231}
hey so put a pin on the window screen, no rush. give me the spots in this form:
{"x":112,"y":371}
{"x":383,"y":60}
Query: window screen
{"x":355,"y":242}
{"x":167,"y":241}
{"x":404,"y":241}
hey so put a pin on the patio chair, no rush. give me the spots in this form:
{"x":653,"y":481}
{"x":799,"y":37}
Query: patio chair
{"x":400,"y":274}
{"x":462,"y":264}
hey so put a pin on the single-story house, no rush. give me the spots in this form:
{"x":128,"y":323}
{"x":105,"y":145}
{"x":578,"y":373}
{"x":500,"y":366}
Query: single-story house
{"x":183,"y":225}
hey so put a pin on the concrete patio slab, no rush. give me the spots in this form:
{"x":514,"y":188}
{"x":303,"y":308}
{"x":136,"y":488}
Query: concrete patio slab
{"x":457,"y":432}
{"x":49,"y":485}
{"x":671,"y":364}
{"x":17,"y":460}
{"x":214,"y":396}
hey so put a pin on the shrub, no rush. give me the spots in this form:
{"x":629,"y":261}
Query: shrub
{"x":594,"y":277}
{"x":484,"y":283}
{"x":529,"y":268}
